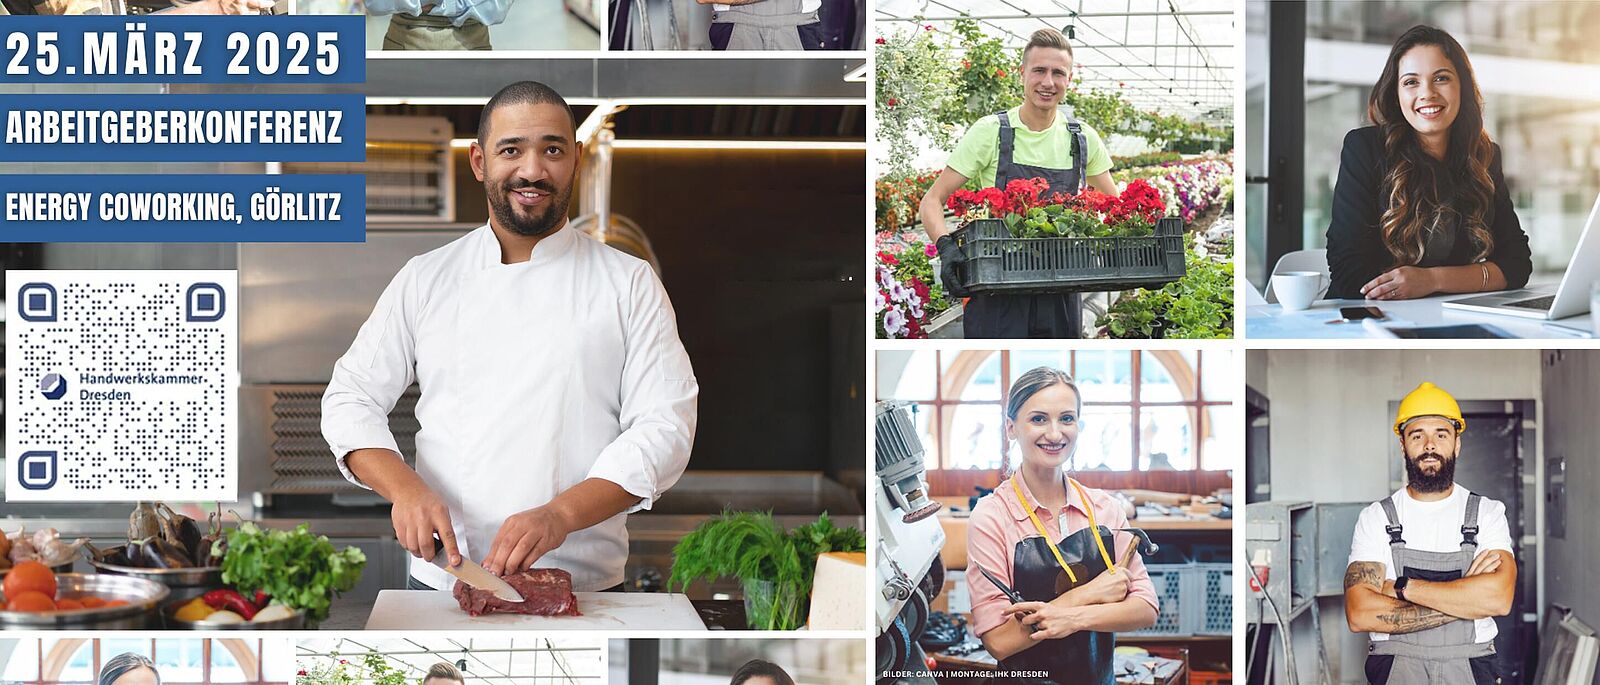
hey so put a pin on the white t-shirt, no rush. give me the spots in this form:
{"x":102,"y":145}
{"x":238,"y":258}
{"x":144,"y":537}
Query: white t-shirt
{"x":1430,"y":527}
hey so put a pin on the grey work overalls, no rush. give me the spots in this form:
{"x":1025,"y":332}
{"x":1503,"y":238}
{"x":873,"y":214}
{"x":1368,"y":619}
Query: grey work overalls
{"x":1447,"y":653}
{"x":765,"y":25}
{"x":1031,"y":316}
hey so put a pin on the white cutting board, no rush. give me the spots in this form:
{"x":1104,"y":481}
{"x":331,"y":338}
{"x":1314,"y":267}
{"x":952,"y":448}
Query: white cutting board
{"x":438,"y":610}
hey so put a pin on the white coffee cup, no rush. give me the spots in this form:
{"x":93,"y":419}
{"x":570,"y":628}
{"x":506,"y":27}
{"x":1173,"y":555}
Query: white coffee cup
{"x":1296,"y":290}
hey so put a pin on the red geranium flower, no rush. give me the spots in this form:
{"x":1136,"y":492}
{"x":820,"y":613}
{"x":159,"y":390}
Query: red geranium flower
{"x":892,"y":102}
{"x":881,"y":41}
{"x":999,"y":73}
{"x":887,"y":258}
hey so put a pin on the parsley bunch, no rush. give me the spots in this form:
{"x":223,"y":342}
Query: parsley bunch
{"x":295,"y":567}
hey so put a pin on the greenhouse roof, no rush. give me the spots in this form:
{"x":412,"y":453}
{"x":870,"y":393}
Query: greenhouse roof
{"x":494,"y":660}
{"x":1164,"y":55}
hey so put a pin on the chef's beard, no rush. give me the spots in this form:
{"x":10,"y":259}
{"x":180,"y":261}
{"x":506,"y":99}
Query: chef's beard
{"x":1440,"y":481}
{"x":537,"y":225}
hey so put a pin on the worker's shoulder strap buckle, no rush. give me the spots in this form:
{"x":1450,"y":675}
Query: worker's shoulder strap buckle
{"x":1469,"y":535}
{"x":1394,"y":531}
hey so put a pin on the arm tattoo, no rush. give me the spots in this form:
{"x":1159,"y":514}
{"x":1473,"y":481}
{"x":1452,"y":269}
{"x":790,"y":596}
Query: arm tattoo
{"x":1363,"y":572}
{"x":1410,"y":618}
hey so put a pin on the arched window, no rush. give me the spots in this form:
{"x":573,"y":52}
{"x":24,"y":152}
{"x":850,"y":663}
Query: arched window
{"x":1143,"y":410}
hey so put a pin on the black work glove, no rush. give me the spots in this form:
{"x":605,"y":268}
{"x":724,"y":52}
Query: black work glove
{"x":951,"y":261}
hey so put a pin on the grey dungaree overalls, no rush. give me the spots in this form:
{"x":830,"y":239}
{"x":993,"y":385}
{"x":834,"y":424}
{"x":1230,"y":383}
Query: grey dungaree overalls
{"x":1031,"y":316}
{"x":765,"y":25}
{"x":1447,"y":653}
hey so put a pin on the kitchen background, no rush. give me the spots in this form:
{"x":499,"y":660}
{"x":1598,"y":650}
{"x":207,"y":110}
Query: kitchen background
{"x":740,"y":180}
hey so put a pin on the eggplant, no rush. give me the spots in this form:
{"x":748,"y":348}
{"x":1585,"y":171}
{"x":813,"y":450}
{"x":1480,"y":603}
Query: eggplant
{"x":186,"y":532}
{"x":144,"y":523}
{"x":159,"y":553}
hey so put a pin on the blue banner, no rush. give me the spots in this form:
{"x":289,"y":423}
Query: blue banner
{"x":183,"y":208}
{"x":183,"y":128}
{"x":183,"y":49}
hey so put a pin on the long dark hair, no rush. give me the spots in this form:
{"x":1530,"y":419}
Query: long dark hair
{"x":1414,"y":181}
{"x":761,"y":667}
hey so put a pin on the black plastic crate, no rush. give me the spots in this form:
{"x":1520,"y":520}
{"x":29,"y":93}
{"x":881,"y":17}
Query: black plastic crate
{"x":997,"y":263}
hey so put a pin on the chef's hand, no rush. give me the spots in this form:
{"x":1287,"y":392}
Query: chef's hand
{"x":1052,"y":621}
{"x":1106,"y":588}
{"x":1404,"y":283}
{"x":525,"y":538}
{"x":418,"y":515}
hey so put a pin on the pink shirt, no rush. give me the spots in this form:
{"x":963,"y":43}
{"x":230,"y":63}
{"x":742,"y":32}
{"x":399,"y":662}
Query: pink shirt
{"x":999,"y":522}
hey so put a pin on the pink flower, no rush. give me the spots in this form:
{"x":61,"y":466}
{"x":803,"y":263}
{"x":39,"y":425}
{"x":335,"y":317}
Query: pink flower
{"x":881,"y":41}
{"x":930,"y":250}
{"x":928,"y":27}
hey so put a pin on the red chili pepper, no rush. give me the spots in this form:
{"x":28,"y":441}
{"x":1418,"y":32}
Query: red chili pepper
{"x":261,"y":599}
{"x":232,"y":601}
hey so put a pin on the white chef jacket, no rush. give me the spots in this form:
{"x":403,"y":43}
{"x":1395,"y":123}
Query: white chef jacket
{"x":534,"y":377}
{"x":1430,"y":527}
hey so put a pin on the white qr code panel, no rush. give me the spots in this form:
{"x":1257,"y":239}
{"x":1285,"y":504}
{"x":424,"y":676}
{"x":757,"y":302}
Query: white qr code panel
{"x":121,"y":385}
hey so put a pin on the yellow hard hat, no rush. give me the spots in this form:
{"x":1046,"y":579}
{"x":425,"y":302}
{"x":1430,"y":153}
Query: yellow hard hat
{"x":1429,"y":400}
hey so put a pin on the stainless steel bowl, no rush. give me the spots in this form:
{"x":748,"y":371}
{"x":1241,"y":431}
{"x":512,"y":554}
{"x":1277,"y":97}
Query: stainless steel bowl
{"x":142,"y":596}
{"x":295,"y":622}
{"x":185,"y":583}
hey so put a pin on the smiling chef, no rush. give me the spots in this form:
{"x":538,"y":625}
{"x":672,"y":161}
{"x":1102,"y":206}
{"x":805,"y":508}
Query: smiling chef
{"x":556,"y":395}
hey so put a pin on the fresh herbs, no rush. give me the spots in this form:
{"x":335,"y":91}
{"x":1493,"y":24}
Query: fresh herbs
{"x":295,"y":567}
{"x":751,"y":546}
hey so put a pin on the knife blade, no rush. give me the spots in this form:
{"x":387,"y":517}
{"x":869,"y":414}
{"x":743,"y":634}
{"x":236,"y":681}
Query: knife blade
{"x":471,"y":573}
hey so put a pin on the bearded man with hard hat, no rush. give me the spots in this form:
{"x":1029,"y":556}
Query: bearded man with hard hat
{"x":1431,"y":565}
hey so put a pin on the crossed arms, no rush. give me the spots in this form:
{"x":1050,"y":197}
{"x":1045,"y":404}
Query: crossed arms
{"x":1371,"y":605}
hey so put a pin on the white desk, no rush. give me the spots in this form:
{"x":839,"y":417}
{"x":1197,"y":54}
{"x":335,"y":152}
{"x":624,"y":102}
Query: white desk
{"x":1270,"y":321}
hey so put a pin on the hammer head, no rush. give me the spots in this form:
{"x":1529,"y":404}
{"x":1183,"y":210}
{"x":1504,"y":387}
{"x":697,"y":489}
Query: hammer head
{"x":1147,"y":546}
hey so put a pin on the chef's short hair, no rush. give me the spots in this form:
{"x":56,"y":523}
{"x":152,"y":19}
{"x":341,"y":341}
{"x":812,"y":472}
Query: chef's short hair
{"x":1047,"y":38}
{"x":523,"y":93}
{"x":444,"y":671}
{"x":756,"y":668}
{"x":123,"y":664}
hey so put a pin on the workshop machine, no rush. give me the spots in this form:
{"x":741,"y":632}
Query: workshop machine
{"x":909,"y":572}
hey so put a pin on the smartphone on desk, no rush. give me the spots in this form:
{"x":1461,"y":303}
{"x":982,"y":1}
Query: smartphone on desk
{"x":1354,"y":314}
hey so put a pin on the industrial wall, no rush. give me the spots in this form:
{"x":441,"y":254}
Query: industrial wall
{"x":1571,"y":394}
{"x":1330,"y":428}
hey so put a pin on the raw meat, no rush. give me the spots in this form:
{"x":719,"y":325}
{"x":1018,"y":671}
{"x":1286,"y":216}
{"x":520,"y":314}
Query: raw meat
{"x":545,"y":592}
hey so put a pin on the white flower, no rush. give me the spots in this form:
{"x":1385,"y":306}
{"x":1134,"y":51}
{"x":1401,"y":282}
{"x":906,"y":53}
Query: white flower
{"x":878,"y":302}
{"x":885,"y":278}
{"x":900,"y":292}
{"x":894,"y":323}
{"x":915,"y":308}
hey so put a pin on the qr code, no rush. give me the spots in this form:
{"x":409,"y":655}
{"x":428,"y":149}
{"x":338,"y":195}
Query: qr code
{"x":121,"y":385}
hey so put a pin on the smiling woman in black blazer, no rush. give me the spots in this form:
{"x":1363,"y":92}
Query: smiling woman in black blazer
{"x":1421,"y":205}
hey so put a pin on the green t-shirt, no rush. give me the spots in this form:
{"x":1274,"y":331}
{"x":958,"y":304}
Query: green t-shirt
{"x":977,"y":156}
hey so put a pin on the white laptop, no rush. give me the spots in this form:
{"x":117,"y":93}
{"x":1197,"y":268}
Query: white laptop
{"x":1570,"y":298}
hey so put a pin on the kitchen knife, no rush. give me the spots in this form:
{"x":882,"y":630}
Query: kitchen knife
{"x":472,"y":574}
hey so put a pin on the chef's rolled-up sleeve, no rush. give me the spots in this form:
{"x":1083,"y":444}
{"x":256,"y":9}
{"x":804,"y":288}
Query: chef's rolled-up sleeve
{"x":659,"y":400}
{"x":371,"y":376}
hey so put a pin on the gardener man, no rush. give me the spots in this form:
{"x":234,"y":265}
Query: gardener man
{"x":1431,"y":565}
{"x":1032,"y":140}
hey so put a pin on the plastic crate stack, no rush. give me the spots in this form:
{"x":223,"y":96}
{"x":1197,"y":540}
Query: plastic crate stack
{"x":1196,"y":595}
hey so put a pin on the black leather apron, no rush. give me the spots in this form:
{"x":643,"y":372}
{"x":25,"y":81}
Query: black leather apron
{"x":1082,"y":658}
{"x":1030,"y":316}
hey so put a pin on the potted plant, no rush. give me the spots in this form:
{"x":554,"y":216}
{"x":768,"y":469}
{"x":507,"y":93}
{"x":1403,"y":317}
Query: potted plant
{"x":774,"y":567}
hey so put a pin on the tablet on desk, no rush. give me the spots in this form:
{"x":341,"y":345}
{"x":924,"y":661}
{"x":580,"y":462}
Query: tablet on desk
{"x":1455,"y":332}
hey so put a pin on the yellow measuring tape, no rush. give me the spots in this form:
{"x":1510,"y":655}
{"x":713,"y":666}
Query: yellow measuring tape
{"x":1054,"y":550}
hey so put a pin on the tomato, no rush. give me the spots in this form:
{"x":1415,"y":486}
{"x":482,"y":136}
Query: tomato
{"x":117,"y":603}
{"x":29,"y":576}
{"x":92,"y":602}
{"x":68,"y":605}
{"x":32,"y":601}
